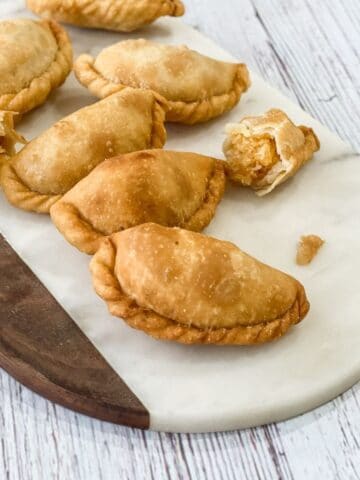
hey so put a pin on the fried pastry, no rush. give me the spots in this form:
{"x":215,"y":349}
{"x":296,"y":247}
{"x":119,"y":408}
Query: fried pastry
{"x":196,"y":87}
{"x":169,"y":188}
{"x":265,"y":151}
{"x":118,"y":15}
{"x":35,"y":58}
{"x":8,"y":136}
{"x":178,"y":285}
{"x":50,"y":165}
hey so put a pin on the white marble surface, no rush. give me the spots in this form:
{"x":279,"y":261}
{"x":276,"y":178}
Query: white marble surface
{"x":262,"y":452}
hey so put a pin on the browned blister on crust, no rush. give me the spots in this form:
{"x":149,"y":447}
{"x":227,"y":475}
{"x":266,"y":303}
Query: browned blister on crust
{"x":35,"y":58}
{"x":118,"y":15}
{"x":197,"y":88}
{"x":169,"y":188}
{"x":50,"y":165}
{"x":263,"y":152}
{"x":178,"y":285}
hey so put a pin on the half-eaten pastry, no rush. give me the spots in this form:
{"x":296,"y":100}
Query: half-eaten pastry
{"x":263,"y":152}
{"x":8,"y":136}
{"x":197,"y":87}
{"x":118,"y":15}
{"x":178,"y":285}
{"x":169,"y":188}
{"x":51,"y":164}
{"x":35,"y":58}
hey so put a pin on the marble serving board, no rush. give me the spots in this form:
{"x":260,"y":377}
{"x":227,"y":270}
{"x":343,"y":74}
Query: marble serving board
{"x":209,"y":388}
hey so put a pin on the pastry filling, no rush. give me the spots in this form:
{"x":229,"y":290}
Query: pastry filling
{"x":251,"y":159}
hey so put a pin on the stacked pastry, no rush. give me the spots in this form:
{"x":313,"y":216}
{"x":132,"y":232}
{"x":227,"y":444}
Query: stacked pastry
{"x":114,"y":193}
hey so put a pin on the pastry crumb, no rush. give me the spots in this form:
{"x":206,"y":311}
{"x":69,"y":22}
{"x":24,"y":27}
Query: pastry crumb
{"x":308,"y":248}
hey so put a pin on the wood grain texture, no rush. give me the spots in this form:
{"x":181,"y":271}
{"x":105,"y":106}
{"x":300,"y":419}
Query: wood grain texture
{"x":310,"y":50}
{"x":43,"y":348}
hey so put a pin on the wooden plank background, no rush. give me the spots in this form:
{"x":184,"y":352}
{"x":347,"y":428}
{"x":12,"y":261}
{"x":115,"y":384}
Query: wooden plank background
{"x":310,"y":50}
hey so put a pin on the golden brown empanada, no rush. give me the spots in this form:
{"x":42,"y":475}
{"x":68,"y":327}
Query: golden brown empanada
{"x":54,"y":162}
{"x":169,"y":188}
{"x":265,"y":151}
{"x":119,"y":15}
{"x":8,"y":136}
{"x":179,"y":285}
{"x":197,"y":88}
{"x":35,"y":58}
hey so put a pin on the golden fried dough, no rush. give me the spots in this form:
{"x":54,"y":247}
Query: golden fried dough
{"x":169,"y":188}
{"x":179,"y":285}
{"x":50,"y":165}
{"x":196,"y":87}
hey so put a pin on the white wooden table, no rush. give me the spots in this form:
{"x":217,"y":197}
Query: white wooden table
{"x":311,"y":51}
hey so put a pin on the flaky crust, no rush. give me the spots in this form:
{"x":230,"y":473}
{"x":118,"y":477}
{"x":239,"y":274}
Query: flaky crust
{"x":295,"y":145}
{"x":194,"y":97}
{"x":8,"y":136}
{"x":169,"y":188}
{"x":120,"y":15}
{"x":40,"y":87}
{"x":50,"y":165}
{"x":107,"y":286}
